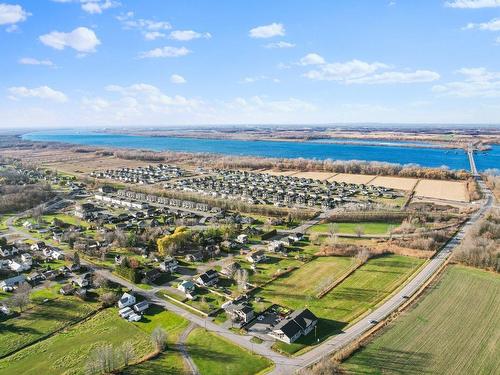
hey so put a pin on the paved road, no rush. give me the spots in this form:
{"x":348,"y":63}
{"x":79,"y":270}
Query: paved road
{"x":187,"y":358}
{"x":392,"y":304}
{"x":286,"y":365}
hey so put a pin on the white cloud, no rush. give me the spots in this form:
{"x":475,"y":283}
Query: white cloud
{"x":177,"y":79}
{"x":42,"y":92}
{"x":185,"y":35}
{"x":12,"y":14}
{"x":267,"y":31}
{"x":166,"y":51}
{"x":361,"y":72}
{"x":153,"y":35}
{"x":345,"y":71}
{"x":398,"y":77}
{"x":81,"y":39}
{"x":259,"y":78}
{"x":493,"y":25}
{"x":33,"y":61}
{"x":261,"y":104}
{"x":280,"y":44}
{"x":98,"y":6}
{"x":312,"y":59}
{"x":473,"y":4}
{"x":477,"y":82}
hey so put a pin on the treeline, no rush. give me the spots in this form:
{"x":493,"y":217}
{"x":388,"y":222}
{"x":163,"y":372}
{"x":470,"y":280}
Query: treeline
{"x":15,"y":198}
{"x":492,"y":179}
{"x":481,"y":244}
{"x":378,"y":216}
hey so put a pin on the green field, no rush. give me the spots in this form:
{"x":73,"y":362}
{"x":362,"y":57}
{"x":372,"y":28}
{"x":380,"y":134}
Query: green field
{"x":361,"y":291}
{"x":67,"y":352}
{"x":41,"y":320}
{"x":171,"y":361}
{"x":455,"y":329}
{"x":266,"y":270}
{"x":214,"y":355}
{"x":350,"y":228}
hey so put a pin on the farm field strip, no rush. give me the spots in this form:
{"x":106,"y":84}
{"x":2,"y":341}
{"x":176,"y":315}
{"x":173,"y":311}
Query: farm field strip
{"x":458,"y":334}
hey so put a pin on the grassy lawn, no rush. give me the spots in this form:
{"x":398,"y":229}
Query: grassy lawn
{"x":68,"y":219}
{"x":454,"y":329}
{"x":170,"y":362}
{"x":67,"y":352}
{"x":360,"y":292}
{"x":350,"y":228}
{"x":266,"y":270}
{"x":214,"y":355}
{"x":41,"y":320}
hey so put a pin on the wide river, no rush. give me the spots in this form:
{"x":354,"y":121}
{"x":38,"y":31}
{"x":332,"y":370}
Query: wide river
{"x":396,"y":153}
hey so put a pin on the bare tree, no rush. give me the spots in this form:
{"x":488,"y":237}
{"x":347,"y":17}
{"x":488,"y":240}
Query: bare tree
{"x":100,"y":281}
{"x":359,"y":230}
{"x":109,"y":299}
{"x":21,"y":297}
{"x":127,"y":352}
{"x":101,"y":360}
{"x":314,"y":238}
{"x":333,"y":229}
{"x":159,"y":338}
{"x":242,"y":279}
{"x":363,"y":255}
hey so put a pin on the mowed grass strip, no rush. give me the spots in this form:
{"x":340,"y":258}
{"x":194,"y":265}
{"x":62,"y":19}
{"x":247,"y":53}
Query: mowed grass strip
{"x":350,"y":228}
{"x":41,"y":320}
{"x":357,"y":294}
{"x":67,"y":352}
{"x":455,"y":329}
{"x":171,"y":361}
{"x":214,"y":355}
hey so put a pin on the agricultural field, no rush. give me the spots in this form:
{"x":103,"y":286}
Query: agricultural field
{"x":454,"y":329}
{"x":42,"y":320}
{"x":350,"y":228}
{"x":351,"y":178}
{"x":398,"y":183}
{"x":214,"y":355}
{"x":68,"y":351}
{"x":450,"y":190}
{"x":361,"y":291}
{"x":265,"y":271}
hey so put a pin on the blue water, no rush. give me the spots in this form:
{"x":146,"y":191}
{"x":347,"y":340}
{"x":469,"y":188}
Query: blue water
{"x":427,"y":157}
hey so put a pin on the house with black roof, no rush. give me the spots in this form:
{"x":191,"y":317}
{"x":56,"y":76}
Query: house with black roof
{"x":299,"y":323}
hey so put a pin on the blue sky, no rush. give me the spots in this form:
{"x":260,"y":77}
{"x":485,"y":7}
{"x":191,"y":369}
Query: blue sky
{"x":157,"y":62}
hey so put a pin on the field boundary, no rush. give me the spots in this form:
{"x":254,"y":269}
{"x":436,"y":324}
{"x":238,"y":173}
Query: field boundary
{"x":348,"y":273}
{"x":185,"y":305}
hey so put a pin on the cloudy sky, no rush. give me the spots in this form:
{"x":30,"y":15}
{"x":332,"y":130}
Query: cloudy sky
{"x":156,"y":62}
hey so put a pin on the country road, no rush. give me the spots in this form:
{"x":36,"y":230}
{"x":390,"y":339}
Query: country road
{"x":288,"y":365}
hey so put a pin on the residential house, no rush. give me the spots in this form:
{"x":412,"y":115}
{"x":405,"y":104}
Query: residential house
{"x":257,"y":256}
{"x":126,"y":300}
{"x":141,"y":306}
{"x":13,"y":281}
{"x":186,"y":287}
{"x":208,"y":278}
{"x":299,"y":323}
{"x":170,"y":264}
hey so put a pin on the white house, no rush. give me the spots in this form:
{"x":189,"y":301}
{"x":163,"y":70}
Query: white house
{"x":299,"y":323}
{"x":186,"y":287}
{"x":257,"y":256}
{"x":170,"y":264}
{"x":126,"y":300}
{"x":242,"y":238}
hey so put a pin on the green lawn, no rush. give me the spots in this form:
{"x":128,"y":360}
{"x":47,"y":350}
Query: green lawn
{"x":41,"y":320}
{"x":266,"y":270}
{"x":360,"y":292}
{"x":67,"y":352}
{"x":350,"y":228}
{"x":214,"y":355}
{"x":170,"y":362}
{"x":454,"y":329}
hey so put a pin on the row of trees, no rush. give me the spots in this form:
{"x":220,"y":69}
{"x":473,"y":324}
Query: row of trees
{"x":106,"y":359}
{"x":481,"y":244}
